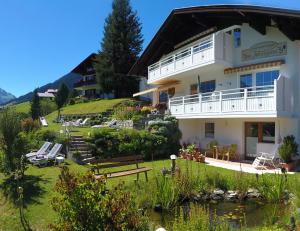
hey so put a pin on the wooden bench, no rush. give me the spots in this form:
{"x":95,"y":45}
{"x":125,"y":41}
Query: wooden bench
{"x":99,"y":164}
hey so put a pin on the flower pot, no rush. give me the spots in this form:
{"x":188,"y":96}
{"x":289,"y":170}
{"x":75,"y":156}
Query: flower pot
{"x":289,"y":166}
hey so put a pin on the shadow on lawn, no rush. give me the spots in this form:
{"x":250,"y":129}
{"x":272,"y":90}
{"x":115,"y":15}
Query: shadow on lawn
{"x":31,"y":187}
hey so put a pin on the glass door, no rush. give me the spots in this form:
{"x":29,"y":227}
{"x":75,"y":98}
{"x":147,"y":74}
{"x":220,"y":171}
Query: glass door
{"x":251,"y":139}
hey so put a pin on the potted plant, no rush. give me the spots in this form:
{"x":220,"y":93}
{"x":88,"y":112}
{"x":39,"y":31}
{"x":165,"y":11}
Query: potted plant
{"x":288,"y":152}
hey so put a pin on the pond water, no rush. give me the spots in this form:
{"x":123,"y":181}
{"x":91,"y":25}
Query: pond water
{"x":249,"y":214}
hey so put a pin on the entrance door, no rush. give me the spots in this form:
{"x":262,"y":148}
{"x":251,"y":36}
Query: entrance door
{"x":251,"y":139}
{"x":258,"y":132}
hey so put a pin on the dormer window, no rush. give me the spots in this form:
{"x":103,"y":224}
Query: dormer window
{"x":237,"y":37}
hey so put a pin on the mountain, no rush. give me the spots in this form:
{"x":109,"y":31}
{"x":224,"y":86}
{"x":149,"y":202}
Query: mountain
{"x":5,"y":97}
{"x":68,"y":79}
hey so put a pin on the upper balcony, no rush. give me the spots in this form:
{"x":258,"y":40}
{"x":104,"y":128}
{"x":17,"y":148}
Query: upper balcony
{"x":214,"y":49}
{"x":260,"y":101}
{"x":85,"y":83}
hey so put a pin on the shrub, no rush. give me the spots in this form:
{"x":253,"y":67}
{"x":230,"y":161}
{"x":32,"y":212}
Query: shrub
{"x":47,"y":106}
{"x":46,"y":135}
{"x":288,"y":149}
{"x":29,"y":125}
{"x":85,"y":204}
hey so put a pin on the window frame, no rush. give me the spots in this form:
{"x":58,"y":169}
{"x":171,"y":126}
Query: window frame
{"x":209,"y":132}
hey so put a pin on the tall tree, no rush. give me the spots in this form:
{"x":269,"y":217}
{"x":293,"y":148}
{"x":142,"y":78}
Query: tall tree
{"x":35,"y":106}
{"x":120,"y":48}
{"x":61,"y":97}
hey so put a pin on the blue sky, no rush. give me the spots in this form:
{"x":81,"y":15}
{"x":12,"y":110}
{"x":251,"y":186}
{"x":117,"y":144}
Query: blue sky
{"x":42,"y":40}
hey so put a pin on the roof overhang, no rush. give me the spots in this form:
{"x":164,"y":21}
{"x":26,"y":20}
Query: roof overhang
{"x":184,"y":23}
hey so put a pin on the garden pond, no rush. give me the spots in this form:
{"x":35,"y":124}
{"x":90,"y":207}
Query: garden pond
{"x":245,"y":214}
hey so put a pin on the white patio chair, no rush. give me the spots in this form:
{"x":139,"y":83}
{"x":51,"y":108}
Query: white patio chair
{"x":83,"y":123}
{"x":43,"y":121}
{"x":44,"y":159}
{"x":266,"y":158}
{"x":42,"y":151}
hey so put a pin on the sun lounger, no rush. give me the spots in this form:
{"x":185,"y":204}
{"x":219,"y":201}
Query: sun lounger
{"x":43,"y":122}
{"x":42,"y":151}
{"x":44,"y":159}
{"x":83,"y":123}
{"x":265,"y":158}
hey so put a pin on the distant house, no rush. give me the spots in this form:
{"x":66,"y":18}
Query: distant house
{"x":88,"y":85}
{"x":50,"y":94}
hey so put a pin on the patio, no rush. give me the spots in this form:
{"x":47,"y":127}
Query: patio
{"x":240,"y":166}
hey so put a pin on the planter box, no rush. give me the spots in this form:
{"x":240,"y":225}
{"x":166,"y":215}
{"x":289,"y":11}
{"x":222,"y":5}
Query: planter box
{"x":290,"y":166}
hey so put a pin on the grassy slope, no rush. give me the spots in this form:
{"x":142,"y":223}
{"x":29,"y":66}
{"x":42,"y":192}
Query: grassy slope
{"x":82,"y":108}
{"x":22,"y":107}
{"x":39,"y":213}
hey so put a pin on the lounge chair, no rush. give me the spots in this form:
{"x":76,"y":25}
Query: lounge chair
{"x":44,"y":159}
{"x":83,"y":123}
{"x":265,"y":158}
{"x":43,"y":122}
{"x":42,"y":151}
{"x":110,"y":124}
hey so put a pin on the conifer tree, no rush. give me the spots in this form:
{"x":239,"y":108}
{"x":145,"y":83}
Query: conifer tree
{"x":120,"y":48}
{"x":35,"y":106}
{"x":62,"y":97}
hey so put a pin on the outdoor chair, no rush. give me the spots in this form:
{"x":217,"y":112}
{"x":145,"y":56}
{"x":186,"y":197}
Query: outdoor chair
{"x":42,"y":151}
{"x":43,"y":121}
{"x":40,"y":160}
{"x":229,"y":151}
{"x":84,"y":123}
{"x":265,"y":159}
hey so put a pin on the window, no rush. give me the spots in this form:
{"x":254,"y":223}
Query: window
{"x":237,"y":38}
{"x":209,"y":130}
{"x":163,"y":97}
{"x":207,"y":86}
{"x":194,"y":89}
{"x":266,"y":78}
{"x":246,"y":81}
{"x":268,"y":132}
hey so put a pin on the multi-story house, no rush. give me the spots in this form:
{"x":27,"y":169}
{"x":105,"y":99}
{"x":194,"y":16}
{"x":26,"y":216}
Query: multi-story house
{"x":87,"y":85}
{"x":229,"y":73}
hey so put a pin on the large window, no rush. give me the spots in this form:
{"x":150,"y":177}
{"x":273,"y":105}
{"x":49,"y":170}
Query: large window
{"x":208,"y":86}
{"x":209,"y":130}
{"x":246,"y":81}
{"x":266,"y":78}
{"x":237,"y":37}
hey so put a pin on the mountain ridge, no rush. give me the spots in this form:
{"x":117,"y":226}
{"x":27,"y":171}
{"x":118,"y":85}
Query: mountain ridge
{"x":5,"y":97}
{"x":69,"y":79}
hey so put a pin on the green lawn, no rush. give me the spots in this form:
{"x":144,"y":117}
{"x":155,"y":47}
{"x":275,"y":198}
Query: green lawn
{"x":40,"y":190}
{"x":82,"y":108}
{"x":22,"y":107}
{"x":91,"y":107}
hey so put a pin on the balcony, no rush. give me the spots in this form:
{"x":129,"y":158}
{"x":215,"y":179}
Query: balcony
{"x":85,"y":83}
{"x":213,"y":49}
{"x":249,"y":102}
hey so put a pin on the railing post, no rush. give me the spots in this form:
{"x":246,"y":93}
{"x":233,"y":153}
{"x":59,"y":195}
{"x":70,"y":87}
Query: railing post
{"x":245,"y":98}
{"x":275,"y":95}
{"x":174,"y":60}
{"x":200,"y":103}
{"x":220,"y":99}
{"x":192,"y":56}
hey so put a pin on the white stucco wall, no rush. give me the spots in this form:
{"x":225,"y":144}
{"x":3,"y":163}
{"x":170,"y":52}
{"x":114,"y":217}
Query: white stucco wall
{"x":232,"y":131}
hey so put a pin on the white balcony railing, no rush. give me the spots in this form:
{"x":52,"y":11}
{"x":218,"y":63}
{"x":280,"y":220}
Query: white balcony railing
{"x":202,"y":53}
{"x":232,"y":101}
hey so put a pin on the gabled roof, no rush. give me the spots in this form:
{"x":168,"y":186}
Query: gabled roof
{"x":86,"y":67}
{"x":184,"y":23}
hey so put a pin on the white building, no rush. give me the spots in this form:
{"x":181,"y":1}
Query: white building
{"x":230,"y":73}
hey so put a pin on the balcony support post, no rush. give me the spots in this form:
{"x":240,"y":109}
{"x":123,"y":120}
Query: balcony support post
{"x":245,"y":98}
{"x":220,"y":100}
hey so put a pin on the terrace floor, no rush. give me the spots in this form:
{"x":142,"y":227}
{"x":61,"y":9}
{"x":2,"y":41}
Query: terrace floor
{"x":237,"y":166}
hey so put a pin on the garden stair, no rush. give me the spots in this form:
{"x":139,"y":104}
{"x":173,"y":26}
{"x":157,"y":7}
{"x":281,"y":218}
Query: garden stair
{"x":78,"y":145}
